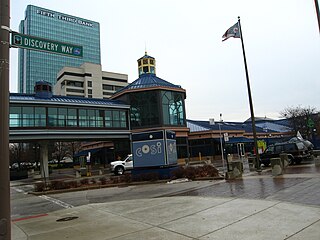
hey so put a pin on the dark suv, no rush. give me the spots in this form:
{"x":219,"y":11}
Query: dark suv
{"x":297,"y":151}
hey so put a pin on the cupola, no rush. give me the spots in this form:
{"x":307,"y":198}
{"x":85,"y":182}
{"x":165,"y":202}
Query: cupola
{"x":146,"y":65}
{"x":43,"y":89}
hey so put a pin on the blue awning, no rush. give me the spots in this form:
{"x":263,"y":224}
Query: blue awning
{"x":85,"y":152}
{"x":239,"y":140}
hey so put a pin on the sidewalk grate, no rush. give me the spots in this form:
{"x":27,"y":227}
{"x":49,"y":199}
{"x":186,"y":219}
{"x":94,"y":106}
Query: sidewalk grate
{"x":65,"y":219}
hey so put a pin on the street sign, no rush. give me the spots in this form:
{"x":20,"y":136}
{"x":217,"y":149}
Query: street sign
{"x":41,"y":44}
{"x":226,"y":137}
{"x":310,"y":123}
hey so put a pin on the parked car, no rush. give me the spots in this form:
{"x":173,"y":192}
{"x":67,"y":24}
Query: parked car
{"x":307,"y":143}
{"x":119,"y":167}
{"x":26,"y":165}
{"x":297,"y":151}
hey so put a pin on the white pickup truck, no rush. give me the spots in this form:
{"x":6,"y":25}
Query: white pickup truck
{"x":119,"y":167}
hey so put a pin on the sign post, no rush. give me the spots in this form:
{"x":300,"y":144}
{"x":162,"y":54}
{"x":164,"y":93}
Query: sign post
{"x":5,"y":214}
{"x":41,"y":44}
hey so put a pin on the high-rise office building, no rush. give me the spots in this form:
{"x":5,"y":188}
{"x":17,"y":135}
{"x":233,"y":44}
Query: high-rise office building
{"x":36,"y":65}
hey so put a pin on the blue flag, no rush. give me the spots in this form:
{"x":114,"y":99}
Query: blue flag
{"x":232,"y":32}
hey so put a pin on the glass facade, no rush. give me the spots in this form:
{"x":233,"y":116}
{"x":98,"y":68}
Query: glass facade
{"x":157,"y":108}
{"x":62,"y":117}
{"x":173,"y":108}
{"x":35,"y":65}
{"x":145,"y":109}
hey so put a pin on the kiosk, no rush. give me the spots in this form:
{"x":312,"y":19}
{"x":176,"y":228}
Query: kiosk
{"x":154,"y":151}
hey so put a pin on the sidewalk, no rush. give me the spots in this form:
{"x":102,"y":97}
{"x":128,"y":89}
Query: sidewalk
{"x":176,"y":218}
{"x":185,"y":217}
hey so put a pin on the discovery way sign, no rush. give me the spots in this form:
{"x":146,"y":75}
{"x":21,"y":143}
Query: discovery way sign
{"x":35,"y":43}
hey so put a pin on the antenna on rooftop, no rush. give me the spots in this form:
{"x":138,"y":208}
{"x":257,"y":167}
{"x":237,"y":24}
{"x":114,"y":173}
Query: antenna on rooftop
{"x":145,"y":47}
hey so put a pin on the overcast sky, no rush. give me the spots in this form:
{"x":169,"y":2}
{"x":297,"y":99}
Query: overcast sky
{"x":281,"y":38}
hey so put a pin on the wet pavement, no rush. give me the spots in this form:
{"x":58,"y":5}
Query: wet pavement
{"x":299,"y":184}
{"x":258,"y":206}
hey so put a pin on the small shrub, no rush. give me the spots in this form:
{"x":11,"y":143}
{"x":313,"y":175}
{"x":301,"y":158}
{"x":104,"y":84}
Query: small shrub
{"x":72,"y":184}
{"x":210,"y":171}
{"x":126,"y":177}
{"x":137,"y":178}
{"x":93,"y":181}
{"x":56,"y":185}
{"x":115,"y":179}
{"x":39,"y":186}
{"x":84,"y":181}
{"x":190,"y":173}
{"x":178,"y":173}
{"x":152,"y":176}
{"x":103,"y":180}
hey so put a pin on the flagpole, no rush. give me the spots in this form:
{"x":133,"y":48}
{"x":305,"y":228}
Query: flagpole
{"x":318,"y":12}
{"x":250,"y":102}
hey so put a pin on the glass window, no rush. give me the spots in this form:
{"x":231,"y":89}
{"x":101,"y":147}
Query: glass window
{"x":72,"y":117}
{"x":144,"y":109}
{"x":62,"y":117}
{"x":27,"y":117}
{"x":40,"y":116}
{"x":278,"y":149}
{"x":270,"y":149}
{"x":123,"y":119}
{"x":91,"y":117}
{"x":108,"y":118}
{"x":145,"y":61}
{"x":52,"y":116}
{"x":74,"y":83}
{"x":99,"y":118}
{"x":75,"y":90}
{"x":83,"y":122}
{"x":15,"y":117}
{"x":173,"y":108}
{"x":107,"y":87}
{"x":89,"y":83}
{"x":115,"y":118}
{"x":117,"y":88}
{"x":301,"y":146}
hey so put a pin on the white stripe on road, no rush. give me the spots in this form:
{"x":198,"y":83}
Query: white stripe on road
{"x":56,"y":201}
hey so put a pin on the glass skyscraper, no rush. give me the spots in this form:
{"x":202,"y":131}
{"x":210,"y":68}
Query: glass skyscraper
{"x":36,"y":65}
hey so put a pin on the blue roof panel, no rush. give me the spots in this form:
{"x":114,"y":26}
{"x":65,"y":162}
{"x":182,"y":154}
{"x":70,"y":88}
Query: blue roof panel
{"x":261,"y":127}
{"x":66,"y":99}
{"x":149,"y":80}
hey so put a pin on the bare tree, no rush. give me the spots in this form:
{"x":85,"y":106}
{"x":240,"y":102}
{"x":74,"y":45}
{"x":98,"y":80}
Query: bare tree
{"x":306,"y":120}
{"x":75,"y":147}
{"x":15,"y":150}
{"x":61,"y":150}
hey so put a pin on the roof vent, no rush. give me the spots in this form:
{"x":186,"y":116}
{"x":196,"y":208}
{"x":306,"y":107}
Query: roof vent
{"x":43,"y":89}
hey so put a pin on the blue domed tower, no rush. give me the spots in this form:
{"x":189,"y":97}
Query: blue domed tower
{"x":156,"y":104}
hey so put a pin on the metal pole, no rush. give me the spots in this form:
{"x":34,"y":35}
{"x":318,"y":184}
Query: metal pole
{"x":221,"y":146}
{"x":5,"y":218}
{"x":250,"y":102}
{"x":318,"y":12}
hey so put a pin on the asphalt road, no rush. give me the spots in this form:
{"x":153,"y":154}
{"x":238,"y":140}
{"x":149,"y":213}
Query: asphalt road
{"x":300,"y":184}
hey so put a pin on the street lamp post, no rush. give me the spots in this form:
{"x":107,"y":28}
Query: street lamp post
{"x":221,"y":144}
{"x":5,"y":215}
